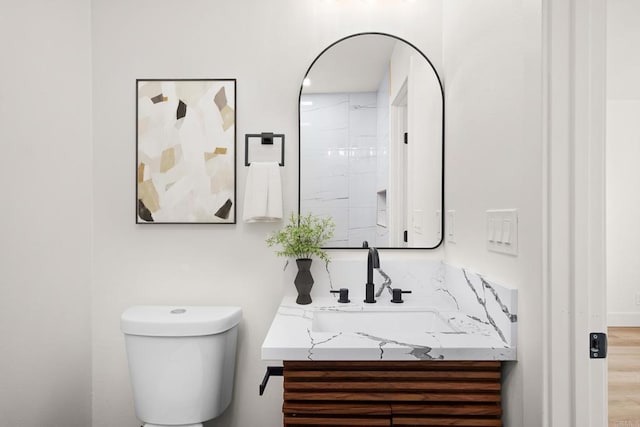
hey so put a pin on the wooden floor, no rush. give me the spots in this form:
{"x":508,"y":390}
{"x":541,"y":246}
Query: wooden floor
{"x":624,"y":377}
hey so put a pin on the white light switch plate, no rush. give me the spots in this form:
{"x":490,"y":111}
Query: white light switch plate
{"x":502,"y":231}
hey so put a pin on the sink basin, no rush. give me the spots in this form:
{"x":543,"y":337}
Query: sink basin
{"x":379,"y":323}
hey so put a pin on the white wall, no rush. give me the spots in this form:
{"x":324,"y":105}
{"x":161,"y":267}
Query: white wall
{"x":45,"y":215}
{"x":267,"y":46}
{"x":492,"y":84}
{"x":623,"y":152}
{"x":492,"y":63}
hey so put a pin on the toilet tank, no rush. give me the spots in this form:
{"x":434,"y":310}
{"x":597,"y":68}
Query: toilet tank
{"x":181,"y":361}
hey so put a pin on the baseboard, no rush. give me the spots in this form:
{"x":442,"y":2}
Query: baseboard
{"x":623,"y":319}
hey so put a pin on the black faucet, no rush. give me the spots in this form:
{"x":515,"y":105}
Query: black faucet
{"x":373,"y":261}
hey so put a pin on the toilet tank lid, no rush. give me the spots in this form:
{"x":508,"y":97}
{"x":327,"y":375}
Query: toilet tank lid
{"x":176,"y":321}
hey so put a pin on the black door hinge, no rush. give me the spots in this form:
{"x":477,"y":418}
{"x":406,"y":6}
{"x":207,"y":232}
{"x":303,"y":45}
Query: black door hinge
{"x":598,"y":345}
{"x":406,"y":236}
{"x":406,"y":137}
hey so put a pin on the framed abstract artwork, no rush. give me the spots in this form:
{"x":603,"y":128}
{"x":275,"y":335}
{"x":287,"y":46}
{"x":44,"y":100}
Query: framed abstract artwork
{"x":186,"y":151}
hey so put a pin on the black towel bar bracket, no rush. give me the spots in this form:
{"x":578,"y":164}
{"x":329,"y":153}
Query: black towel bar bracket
{"x":266,"y":139}
{"x":275,"y":371}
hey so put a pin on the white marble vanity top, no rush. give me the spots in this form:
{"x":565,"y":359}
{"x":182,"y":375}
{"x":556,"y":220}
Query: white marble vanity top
{"x":450,"y":315}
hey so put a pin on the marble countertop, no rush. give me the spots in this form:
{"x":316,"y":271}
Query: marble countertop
{"x":292,"y":335}
{"x":476,"y":318}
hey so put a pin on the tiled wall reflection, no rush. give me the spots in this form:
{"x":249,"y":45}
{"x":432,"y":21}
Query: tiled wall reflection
{"x":344,"y":161}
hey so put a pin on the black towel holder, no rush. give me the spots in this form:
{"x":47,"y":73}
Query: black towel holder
{"x":265,"y":138}
{"x":271,"y":371}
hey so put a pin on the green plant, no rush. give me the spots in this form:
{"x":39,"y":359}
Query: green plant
{"x":303,"y":237}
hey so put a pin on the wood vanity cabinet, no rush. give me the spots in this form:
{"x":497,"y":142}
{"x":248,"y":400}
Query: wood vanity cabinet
{"x":385,"y":393}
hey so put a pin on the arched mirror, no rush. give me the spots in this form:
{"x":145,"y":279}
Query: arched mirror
{"x":371,"y":120}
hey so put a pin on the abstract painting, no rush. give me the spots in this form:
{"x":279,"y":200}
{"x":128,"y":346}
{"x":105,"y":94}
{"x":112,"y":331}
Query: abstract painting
{"x":186,"y":151}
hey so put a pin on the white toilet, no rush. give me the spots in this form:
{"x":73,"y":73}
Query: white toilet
{"x":181,"y":362}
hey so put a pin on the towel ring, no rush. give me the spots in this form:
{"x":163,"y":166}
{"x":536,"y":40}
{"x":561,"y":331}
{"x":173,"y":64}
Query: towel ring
{"x":266,"y":139}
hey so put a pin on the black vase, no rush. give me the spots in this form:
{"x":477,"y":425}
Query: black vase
{"x":304,"y":281}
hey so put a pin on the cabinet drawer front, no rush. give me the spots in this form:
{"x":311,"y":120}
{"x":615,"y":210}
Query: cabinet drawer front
{"x":421,"y":393}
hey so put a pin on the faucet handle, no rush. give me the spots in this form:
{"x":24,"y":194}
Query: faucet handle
{"x":397,"y":295}
{"x":344,"y":295}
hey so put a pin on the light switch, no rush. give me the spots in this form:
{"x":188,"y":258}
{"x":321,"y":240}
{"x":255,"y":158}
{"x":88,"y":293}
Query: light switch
{"x":492,"y":229}
{"x":506,"y":231}
{"x":502,"y":231}
{"x":497,"y":223}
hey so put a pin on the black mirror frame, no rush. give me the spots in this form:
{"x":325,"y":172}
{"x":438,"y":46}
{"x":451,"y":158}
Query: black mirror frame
{"x":442,"y":214}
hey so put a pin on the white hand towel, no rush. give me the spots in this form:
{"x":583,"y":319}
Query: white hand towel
{"x":263,"y":193}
